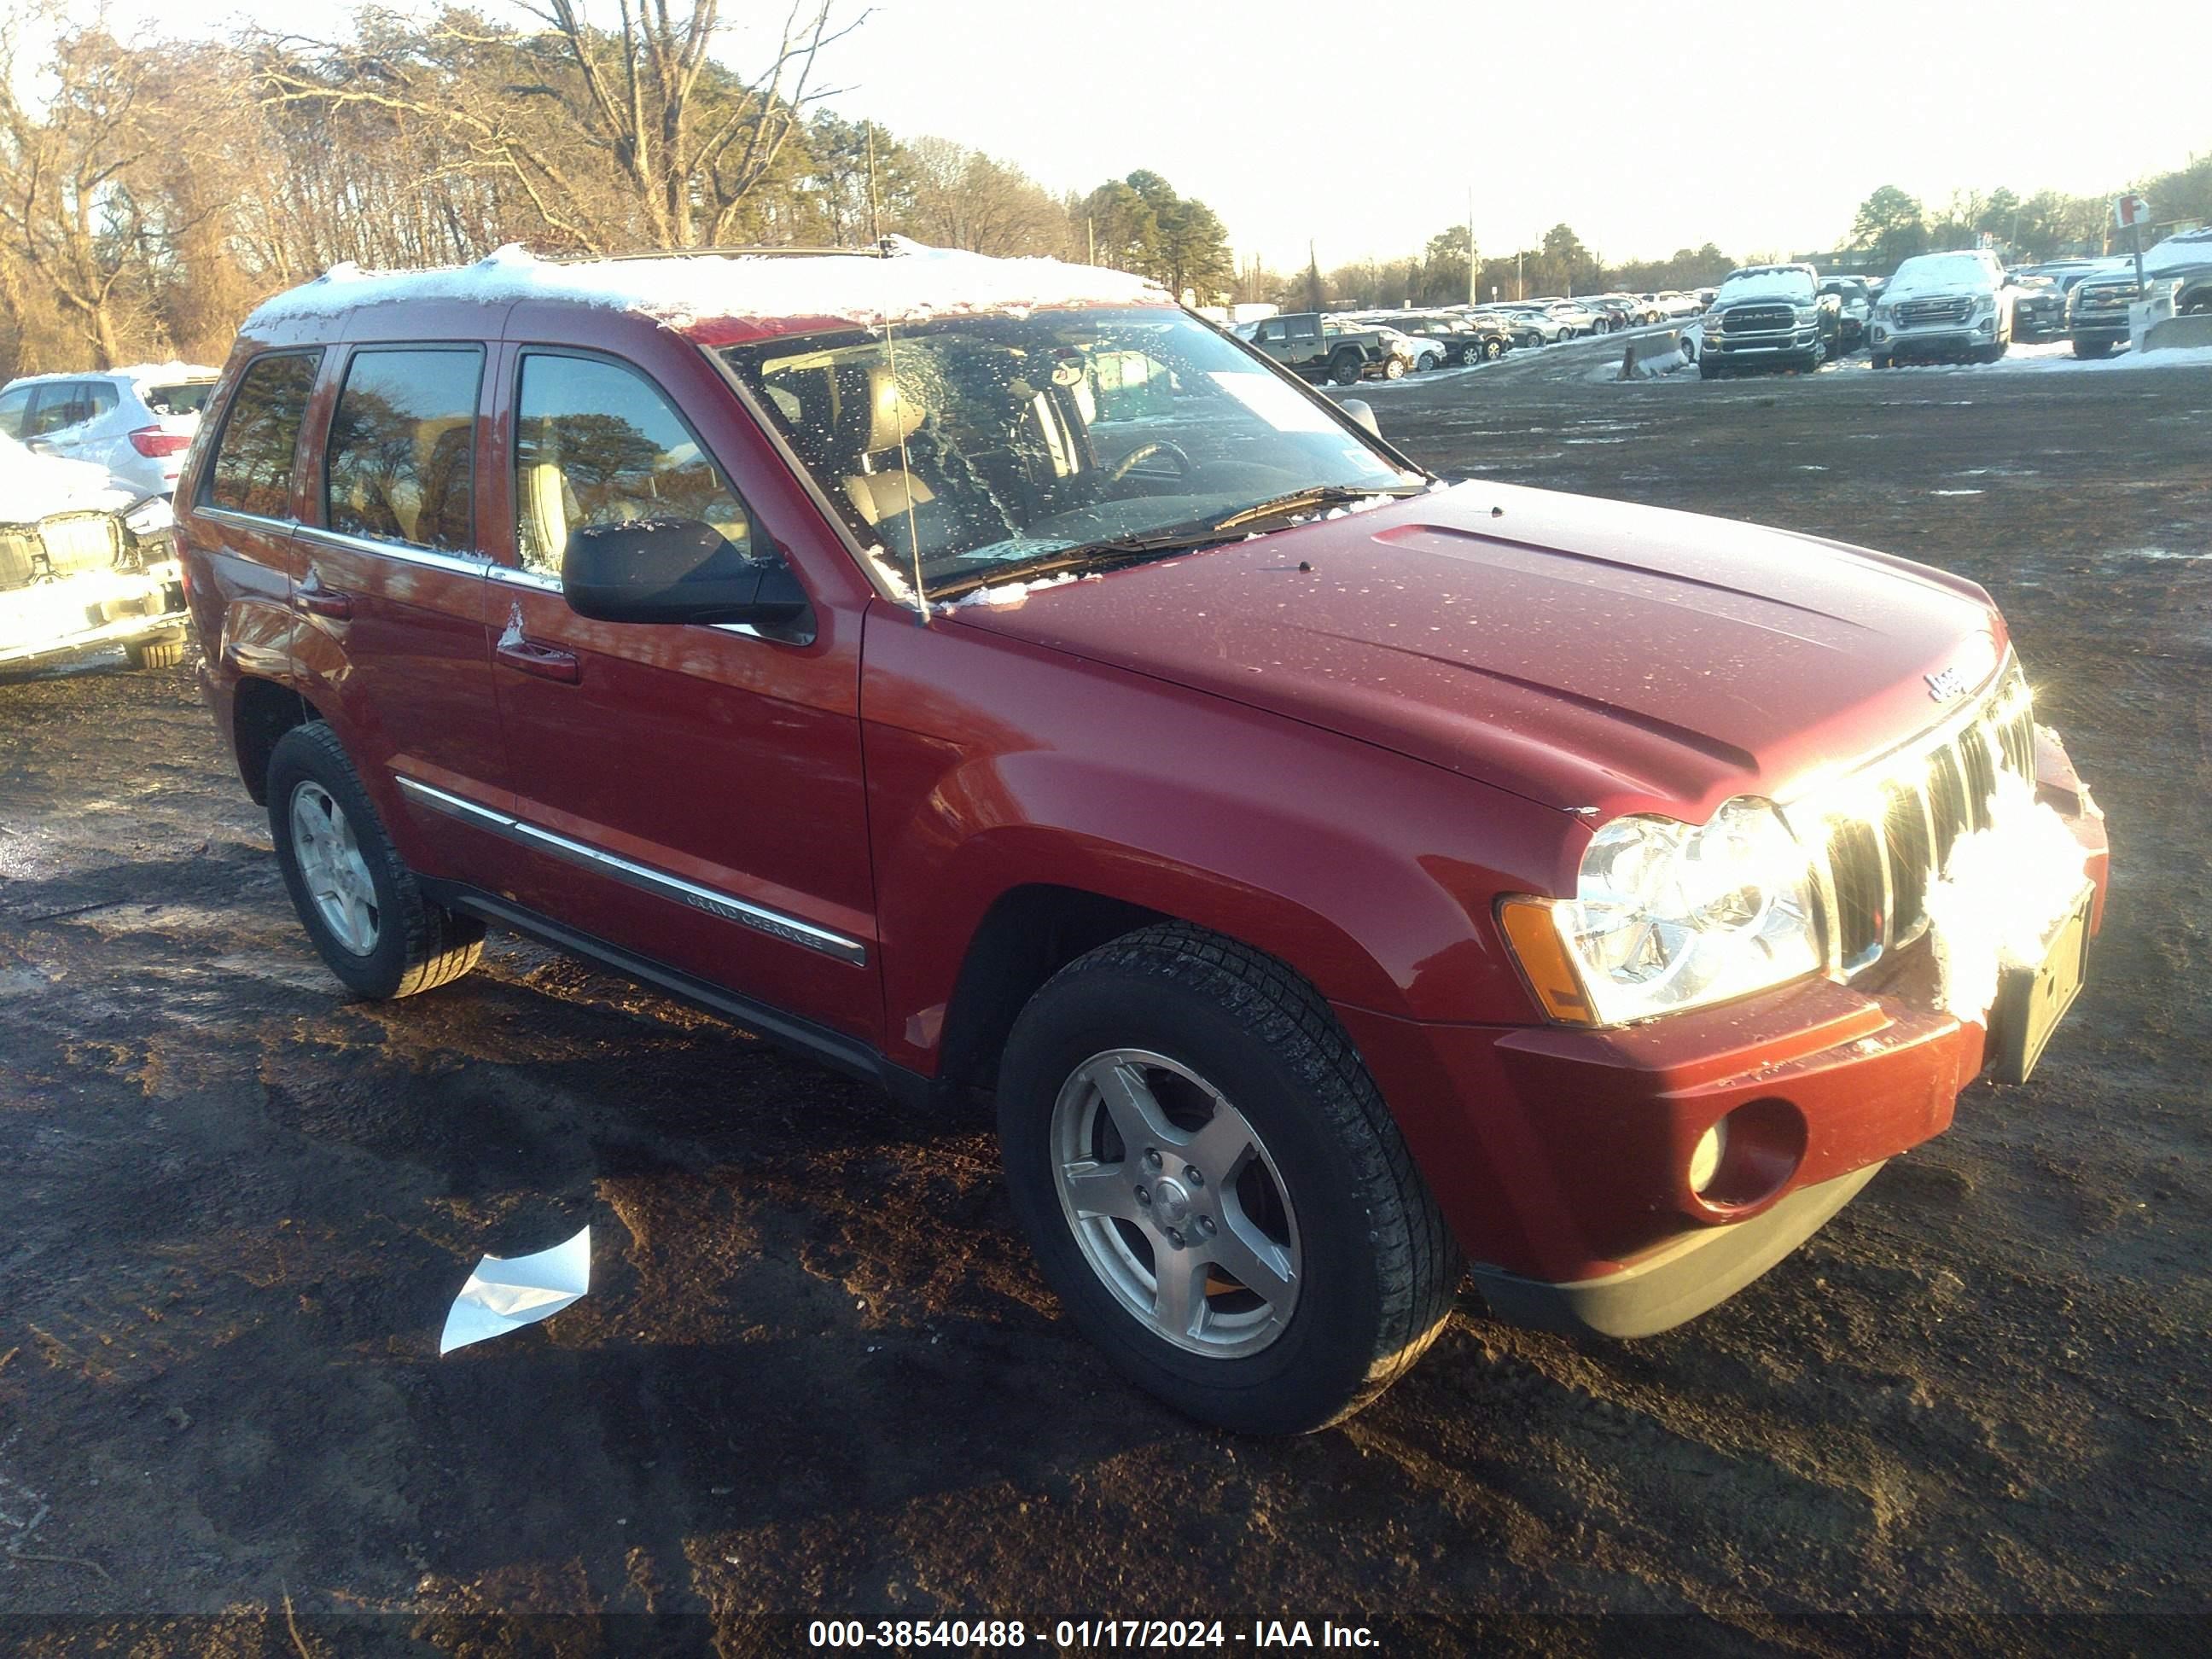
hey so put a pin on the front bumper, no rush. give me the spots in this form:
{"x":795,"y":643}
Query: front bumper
{"x":1972,"y":336}
{"x":52,"y":620}
{"x":1561,"y":1156}
{"x":1752,"y":348}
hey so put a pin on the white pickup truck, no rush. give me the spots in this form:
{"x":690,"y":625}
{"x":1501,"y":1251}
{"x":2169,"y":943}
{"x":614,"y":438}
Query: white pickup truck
{"x":84,"y":565}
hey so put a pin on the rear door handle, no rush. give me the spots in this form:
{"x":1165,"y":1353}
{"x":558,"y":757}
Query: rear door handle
{"x":316,"y":600}
{"x":546,"y":662}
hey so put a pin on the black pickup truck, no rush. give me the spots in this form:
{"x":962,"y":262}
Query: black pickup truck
{"x":1319,"y":347}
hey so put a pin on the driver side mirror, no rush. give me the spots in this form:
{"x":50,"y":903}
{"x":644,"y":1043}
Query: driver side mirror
{"x":674,"y":570}
{"x":1363,"y":412}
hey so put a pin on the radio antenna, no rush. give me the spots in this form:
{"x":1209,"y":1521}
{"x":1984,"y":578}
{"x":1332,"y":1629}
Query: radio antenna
{"x":898,"y":396}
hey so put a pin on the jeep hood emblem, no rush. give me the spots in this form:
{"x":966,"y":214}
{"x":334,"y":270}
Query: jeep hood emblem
{"x":1947,"y":686}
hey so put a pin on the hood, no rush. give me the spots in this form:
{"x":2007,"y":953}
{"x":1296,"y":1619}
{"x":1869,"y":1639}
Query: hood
{"x":1766,"y":293}
{"x":1584,"y":654}
{"x":33,"y":486}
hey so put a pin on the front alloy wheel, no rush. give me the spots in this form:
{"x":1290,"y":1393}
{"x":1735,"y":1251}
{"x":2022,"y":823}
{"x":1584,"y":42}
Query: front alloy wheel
{"x":1215,"y":1187}
{"x":1174,"y":1203}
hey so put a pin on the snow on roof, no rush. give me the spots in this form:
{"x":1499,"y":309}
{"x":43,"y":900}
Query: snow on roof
{"x":136,"y":374}
{"x":914,"y":283}
{"x":143,"y":373}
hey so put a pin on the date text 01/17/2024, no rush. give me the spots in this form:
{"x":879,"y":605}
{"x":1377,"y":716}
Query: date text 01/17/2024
{"x":1078,"y":1635}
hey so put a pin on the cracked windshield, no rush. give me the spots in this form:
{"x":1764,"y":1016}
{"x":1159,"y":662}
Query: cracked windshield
{"x":1009,"y":446}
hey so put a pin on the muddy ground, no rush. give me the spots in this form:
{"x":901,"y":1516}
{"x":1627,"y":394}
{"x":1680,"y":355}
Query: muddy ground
{"x":818,"y":1374}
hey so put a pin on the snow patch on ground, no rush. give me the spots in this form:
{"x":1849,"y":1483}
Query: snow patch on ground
{"x":914,"y":284}
{"x":2008,"y":885}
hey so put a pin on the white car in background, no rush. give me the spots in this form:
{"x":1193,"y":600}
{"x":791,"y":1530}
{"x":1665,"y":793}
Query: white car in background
{"x":85,"y":564}
{"x":136,"y":423}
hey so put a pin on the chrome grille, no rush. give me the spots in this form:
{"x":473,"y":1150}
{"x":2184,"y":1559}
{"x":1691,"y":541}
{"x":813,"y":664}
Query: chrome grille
{"x":79,"y":541}
{"x":1887,"y":832}
{"x":1758,"y":320}
{"x":1922,"y":313}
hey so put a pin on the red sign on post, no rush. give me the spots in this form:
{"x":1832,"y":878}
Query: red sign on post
{"x":2129,"y":211}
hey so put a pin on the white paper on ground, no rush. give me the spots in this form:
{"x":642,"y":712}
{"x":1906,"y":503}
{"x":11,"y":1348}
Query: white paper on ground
{"x":504,"y":1294}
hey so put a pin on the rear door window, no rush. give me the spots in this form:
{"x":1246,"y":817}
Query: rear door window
{"x":252,"y":471}
{"x":402,"y":448}
{"x":58,"y":405}
{"x":14,"y":405}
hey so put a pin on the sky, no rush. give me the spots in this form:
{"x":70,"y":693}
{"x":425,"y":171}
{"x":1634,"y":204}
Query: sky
{"x":1646,"y":126}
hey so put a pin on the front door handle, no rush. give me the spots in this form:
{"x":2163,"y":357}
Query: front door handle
{"x":546,"y":662}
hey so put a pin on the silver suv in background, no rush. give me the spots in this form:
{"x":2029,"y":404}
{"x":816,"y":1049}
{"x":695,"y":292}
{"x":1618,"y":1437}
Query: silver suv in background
{"x":136,"y":423}
{"x":1954,"y":306}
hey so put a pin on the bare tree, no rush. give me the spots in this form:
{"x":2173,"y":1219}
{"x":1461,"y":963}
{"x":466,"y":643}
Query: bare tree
{"x":71,"y":167}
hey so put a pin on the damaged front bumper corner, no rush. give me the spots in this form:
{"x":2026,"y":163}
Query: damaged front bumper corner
{"x":1601,"y":1228}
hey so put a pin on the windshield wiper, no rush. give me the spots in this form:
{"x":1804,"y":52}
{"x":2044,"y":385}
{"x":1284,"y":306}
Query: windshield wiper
{"x":1111,"y":551}
{"x":1313,"y":495}
{"x":1098,"y":555}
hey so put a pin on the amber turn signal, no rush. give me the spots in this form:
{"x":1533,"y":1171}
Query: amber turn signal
{"x":1544,"y":961}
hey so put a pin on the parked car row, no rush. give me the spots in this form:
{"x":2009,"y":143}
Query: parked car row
{"x":1347,"y":347}
{"x":1960,"y":306}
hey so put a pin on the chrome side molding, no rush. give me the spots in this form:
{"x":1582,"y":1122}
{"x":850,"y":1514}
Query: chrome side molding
{"x":659,"y":882}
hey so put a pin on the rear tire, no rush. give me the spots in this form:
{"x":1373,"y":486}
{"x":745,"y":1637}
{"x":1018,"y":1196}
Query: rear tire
{"x":1212,"y":1053}
{"x":357,"y":899}
{"x":1344,"y":367}
{"x":1394,"y":369}
{"x":154,"y":654}
{"x":2092,"y":349}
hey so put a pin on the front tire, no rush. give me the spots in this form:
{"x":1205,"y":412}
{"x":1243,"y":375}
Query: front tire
{"x":1394,"y":369}
{"x":355,"y":895}
{"x":154,"y":653}
{"x":1213,"y":1185}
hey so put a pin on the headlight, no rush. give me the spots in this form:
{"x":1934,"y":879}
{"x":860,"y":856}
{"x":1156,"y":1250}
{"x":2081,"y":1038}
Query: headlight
{"x":1668,"y":916}
{"x":1984,"y":302}
{"x":1882,"y":311}
{"x":149,"y":516}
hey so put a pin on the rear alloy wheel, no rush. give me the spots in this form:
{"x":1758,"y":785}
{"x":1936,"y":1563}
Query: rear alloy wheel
{"x":355,"y":895}
{"x":1213,"y":1186}
{"x":1492,"y":350}
{"x":1428,"y":362}
{"x":1394,"y":369}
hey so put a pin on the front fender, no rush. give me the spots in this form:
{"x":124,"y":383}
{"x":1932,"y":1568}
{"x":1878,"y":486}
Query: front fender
{"x":1372,"y":874}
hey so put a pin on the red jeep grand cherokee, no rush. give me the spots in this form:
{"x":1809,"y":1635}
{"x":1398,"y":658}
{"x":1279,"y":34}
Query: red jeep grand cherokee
{"x":986,"y":675}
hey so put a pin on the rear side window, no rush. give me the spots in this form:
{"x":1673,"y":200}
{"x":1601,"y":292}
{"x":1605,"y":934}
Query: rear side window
{"x":179,"y":397}
{"x":252,"y":471}
{"x":12,"y":406}
{"x":597,"y":444}
{"x":402,"y":448}
{"x":59,"y":405}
